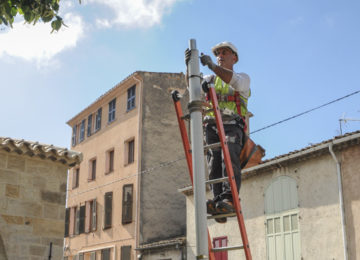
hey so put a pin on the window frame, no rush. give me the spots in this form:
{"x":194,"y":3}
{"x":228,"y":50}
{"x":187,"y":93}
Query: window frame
{"x":127,"y":206}
{"x":98,"y":115}
{"x":109,"y":161}
{"x":89,"y":125}
{"x":76,"y":178}
{"x":74,"y":135}
{"x":129,"y":151}
{"x":92,"y":169}
{"x":112,"y":111}
{"x":108,"y":201}
{"x":131,"y":96}
{"x":82,"y":131}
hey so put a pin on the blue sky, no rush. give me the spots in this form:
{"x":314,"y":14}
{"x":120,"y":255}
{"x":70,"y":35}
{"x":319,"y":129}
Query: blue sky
{"x":299,"y":55}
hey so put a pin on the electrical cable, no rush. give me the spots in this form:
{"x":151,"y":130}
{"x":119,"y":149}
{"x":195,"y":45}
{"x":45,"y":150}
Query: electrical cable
{"x":303,"y":113}
{"x":168,"y":163}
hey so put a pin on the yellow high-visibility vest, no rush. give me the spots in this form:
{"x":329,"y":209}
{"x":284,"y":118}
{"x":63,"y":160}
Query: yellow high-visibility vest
{"x":224,"y":94}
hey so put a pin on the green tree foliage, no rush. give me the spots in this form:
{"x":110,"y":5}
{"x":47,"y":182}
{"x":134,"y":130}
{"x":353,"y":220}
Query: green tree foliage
{"x":32,"y":11}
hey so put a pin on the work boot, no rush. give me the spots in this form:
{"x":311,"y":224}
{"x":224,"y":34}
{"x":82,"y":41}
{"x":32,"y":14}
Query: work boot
{"x":221,"y":220}
{"x":211,"y":207}
{"x":225,"y":206}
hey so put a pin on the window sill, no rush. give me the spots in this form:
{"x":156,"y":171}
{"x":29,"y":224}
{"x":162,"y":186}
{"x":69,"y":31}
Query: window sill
{"x":130,"y":109}
{"x":109,"y":172}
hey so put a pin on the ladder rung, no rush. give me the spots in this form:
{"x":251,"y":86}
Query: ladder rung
{"x":211,"y":146}
{"x":222,"y":215}
{"x":228,"y":248}
{"x":223,"y":179}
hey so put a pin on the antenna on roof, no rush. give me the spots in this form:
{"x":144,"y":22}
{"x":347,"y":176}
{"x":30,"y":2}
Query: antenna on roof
{"x":345,"y":120}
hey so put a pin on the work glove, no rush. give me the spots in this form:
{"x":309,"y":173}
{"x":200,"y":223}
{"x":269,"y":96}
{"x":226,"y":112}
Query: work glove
{"x":187,"y":56}
{"x":207,"y":61}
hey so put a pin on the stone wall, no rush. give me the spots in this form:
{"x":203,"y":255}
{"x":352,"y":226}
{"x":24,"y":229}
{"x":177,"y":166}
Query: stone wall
{"x":32,"y":207}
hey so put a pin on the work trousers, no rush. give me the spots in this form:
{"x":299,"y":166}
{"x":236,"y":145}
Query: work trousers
{"x":215,"y":158}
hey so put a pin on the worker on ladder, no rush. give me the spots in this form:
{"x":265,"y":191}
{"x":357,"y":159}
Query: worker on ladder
{"x":233,"y":91}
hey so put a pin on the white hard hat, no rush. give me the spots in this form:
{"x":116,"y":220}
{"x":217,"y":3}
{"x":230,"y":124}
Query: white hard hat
{"x":225,"y":45}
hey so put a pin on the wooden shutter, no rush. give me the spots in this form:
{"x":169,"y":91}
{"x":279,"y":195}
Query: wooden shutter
{"x":105,"y":254}
{"x":108,"y":209}
{"x":82,"y":220}
{"x":125,"y":253}
{"x":77,"y":224}
{"x":127,"y":203}
{"x":93,"y":215}
{"x":67,"y":222}
{"x":87,"y":216}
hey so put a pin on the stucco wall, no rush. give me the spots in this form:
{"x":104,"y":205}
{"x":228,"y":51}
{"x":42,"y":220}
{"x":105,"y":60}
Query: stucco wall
{"x":114,"y":136}
{"x":319,"y":214}
{"x":350,"y":162}
{"x":32,"y":206}
{"x":162,"y":207}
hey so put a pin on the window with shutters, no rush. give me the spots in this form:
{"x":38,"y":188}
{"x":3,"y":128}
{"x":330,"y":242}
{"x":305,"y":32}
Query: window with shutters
{"x":82,"y":131}
{"x":131,"y":98}
{"x":89,"y":125}
{"x":81,"y":256}
{"x":77,"y":222}
{"x":76,"y":176}
{"x":125,"y":253}
{"x":109,"y":161}
{"x":127,"y":204}
{"x":98,"y":119}
{"x":112,"y":109}
{"x":220,"y":242}
{"x":282,"y":225}
{"x":129,"y":151}
{"x":67,"y":222}
{"x":92,"y":169}
{"x":108,"y":210}
{"x":82,"y":219}
{"x":105,"y":254}
{"x":74,"y":133}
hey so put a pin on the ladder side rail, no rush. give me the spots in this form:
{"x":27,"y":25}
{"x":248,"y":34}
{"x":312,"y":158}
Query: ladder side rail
{"x":187,"y":150}
{"x":230,"y":172}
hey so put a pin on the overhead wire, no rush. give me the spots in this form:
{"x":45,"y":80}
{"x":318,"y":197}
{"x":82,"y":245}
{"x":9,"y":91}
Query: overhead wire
{"x":305,"y":112}
{"x":168,"y":163}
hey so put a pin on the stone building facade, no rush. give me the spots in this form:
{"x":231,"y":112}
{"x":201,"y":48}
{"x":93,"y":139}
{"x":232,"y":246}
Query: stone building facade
{"x":33,"y":181}
{"x":301,"y":205}
{"x":123,"y":196}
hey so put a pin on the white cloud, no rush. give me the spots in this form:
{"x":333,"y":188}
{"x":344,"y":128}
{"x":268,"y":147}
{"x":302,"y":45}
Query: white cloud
{"x":134,"y":13}
{"x":36,"y":43}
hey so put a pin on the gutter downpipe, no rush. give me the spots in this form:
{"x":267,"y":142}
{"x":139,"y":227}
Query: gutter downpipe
{"x":341,"y":199}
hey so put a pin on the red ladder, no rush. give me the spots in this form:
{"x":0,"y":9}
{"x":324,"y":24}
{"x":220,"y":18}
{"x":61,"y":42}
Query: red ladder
{"x":231,"y":178}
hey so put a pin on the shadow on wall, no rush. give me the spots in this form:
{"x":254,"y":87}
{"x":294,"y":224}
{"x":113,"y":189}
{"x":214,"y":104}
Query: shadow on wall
{"x":2,"y":250}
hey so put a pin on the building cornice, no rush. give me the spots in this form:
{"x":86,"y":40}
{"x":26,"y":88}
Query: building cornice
{"x":43,"y":151}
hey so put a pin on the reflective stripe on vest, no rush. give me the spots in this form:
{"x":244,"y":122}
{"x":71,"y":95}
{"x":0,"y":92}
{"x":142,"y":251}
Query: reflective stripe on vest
{"x":227,"y":98}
